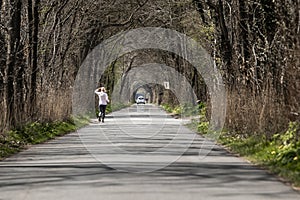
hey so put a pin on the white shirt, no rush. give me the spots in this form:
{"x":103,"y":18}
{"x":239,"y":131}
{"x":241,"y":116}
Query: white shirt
{"x":103,"y":97}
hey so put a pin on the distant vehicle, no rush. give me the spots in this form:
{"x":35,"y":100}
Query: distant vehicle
{"x":140,"y":100}
{"x":139,"y":95}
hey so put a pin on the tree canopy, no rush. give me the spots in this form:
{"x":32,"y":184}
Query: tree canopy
{"x":255,"y":45}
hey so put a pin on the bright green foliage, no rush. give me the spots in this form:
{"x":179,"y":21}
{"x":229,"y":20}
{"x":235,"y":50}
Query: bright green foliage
{"x":280,"y":154}
{"x":203,"y":126}
{"x":285,"y":153}
{"x":184,"y":110}
{"x":34,"y":133}
{"x":168,"y":108}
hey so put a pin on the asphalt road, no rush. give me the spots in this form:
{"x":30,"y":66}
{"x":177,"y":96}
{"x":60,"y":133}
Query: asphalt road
{"x":138,"y":153}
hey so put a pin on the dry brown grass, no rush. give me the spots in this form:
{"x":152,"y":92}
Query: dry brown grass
{"x":265,"y":113}
{"x":55,"y":105}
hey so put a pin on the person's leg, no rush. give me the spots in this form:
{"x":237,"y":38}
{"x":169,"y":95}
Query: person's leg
{"x":100,"y":114}
{"x":102,"y":110}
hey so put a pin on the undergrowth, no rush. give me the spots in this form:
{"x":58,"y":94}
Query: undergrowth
{"x":34,"y":133}
{"x":280,"y":154}
{"x":183,"y":110}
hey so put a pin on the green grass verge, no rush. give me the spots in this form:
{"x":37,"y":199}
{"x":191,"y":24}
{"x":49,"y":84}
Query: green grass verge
{"x":184,"y":110}
{"x":34,"y":133}
{"x":279,"y":154}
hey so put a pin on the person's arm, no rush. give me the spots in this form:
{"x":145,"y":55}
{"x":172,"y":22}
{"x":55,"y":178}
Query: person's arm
{"x":107,"y":100}
{"x":96,"y":91}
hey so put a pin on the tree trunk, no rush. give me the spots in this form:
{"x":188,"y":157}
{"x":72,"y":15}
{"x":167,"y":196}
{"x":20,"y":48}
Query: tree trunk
{"x":13,"y":43}
{"x":225,"y":41}
{"x":243,"y":26}
{"x":34,"y":70}
{"x":30,"y":30}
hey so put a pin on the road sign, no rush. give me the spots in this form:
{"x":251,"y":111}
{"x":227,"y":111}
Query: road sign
{"x":167,"y":85}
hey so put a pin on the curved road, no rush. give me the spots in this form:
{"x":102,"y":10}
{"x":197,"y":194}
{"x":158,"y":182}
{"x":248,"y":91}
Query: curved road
{"x":138,"y":153}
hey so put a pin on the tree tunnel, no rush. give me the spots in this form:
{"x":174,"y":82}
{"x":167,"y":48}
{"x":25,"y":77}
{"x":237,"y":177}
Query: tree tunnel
{"x":149,"y":79}
{"x":144,"y":90}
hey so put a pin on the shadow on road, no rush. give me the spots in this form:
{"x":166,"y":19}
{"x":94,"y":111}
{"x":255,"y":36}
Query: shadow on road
{"x":65,"y":163}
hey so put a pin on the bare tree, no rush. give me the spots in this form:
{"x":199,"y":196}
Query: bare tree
{"x":13,"y":45}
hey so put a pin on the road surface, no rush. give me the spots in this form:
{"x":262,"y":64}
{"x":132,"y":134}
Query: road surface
{"x":139,"y":153}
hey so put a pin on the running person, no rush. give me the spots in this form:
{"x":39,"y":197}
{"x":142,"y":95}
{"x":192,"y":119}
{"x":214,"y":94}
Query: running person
{"x":103,"y":100}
